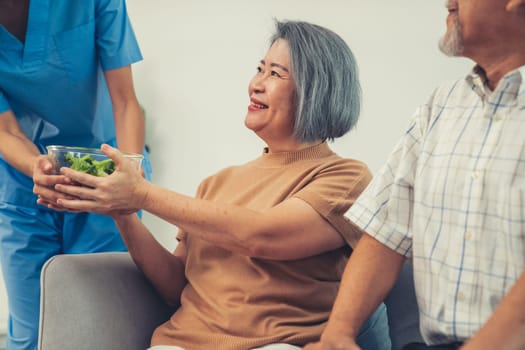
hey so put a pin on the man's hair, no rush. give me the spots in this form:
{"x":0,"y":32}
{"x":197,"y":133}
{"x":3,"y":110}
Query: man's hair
{"x":328,"y":93}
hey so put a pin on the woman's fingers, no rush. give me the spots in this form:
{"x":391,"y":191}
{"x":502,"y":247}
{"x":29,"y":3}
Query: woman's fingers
{"x":112,"y":153}
{"x":79,"y":177}
{"x":76,"y":192}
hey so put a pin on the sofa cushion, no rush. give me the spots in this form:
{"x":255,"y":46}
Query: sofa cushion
{"x":403,"y":314}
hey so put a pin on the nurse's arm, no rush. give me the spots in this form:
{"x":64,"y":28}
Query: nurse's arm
{"x":129,"y":119}
{"x":15,"y":147}
{"x":22,"y":154}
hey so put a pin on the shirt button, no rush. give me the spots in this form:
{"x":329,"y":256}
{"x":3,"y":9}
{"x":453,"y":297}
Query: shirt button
{"x":469,"y":235}
{"x":498,"y":117}
{"x":461,"y":296}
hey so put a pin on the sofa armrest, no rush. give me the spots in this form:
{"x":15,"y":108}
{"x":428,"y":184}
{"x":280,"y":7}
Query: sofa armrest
{"x":97,"y":301}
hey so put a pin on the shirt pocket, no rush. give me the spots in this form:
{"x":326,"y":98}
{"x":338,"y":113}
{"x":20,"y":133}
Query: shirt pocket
{"x":77,"y":52}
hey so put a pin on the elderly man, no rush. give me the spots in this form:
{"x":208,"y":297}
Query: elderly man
{"x":452,"y":198}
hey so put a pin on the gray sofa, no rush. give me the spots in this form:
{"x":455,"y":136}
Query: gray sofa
{"x":102,"y":301}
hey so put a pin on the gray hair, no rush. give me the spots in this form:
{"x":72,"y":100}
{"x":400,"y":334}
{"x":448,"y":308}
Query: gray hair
{"x":326,"y":78}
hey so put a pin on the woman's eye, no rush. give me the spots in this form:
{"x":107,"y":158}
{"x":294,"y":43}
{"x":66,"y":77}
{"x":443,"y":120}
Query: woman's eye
{"x":275,"y":74}
{"x":259,"y":70}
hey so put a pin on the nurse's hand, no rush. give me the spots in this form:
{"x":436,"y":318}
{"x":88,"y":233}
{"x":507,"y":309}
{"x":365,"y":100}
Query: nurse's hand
{"x":122,"y":192}
{"x":45,"y":180}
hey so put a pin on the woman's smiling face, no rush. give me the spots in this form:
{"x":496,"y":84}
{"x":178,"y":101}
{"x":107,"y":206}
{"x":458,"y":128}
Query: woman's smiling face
{"x":271,"y":111}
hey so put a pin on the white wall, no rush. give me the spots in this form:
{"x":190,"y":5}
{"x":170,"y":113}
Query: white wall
{"x":200,"y":54}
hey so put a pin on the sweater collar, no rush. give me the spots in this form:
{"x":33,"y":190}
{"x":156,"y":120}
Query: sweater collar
{"x":269,"y":160}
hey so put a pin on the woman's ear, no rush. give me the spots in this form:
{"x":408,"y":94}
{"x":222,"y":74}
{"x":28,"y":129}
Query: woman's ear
{"x":515,"y":5}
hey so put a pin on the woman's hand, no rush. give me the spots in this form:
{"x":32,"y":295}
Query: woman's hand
{"x":333,"y":344}
{"x":45,"y":181}
{"x":122,"y":192}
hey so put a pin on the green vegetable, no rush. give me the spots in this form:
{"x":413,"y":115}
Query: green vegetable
{"x":87,"y":164}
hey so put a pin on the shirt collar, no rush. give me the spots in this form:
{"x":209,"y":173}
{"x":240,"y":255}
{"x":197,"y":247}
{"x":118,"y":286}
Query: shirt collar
{"x":478,"y":81}
{"x":521,"y":92}
{"x":512,"y":81}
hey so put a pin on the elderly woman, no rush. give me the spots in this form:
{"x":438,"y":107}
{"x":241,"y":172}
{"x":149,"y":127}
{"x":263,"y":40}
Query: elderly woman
{"x":263,"y":246}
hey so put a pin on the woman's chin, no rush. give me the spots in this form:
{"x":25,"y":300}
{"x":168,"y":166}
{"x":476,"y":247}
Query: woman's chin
{"x":253,"y":123}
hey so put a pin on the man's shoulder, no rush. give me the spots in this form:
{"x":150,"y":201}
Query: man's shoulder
{"x":452,"y":93}
{"x":451,"y":86}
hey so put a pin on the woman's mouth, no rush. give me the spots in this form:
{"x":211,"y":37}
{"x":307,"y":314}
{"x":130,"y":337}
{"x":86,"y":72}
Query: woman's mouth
{"x":258,"y":105}
{"x":255,"y":104}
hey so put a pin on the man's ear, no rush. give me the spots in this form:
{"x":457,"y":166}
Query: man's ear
{"x":515,"y":5}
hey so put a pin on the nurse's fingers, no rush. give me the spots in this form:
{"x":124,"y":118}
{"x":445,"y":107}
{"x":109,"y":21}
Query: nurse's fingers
{"x":49,"y":194}
{"x":55,"y":206}
{"x":43,"y":164}
{"x":49,"y":205}
{"x":43,"y":173}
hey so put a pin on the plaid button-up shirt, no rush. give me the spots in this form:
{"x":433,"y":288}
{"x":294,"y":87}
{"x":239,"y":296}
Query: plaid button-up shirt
{"x":452,"y":197}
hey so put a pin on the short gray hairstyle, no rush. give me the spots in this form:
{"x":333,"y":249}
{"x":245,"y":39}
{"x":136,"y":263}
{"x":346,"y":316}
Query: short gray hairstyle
{"x":328,"y":93}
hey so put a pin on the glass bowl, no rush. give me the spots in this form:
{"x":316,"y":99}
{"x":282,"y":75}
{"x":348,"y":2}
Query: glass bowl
{"x":88,"y":160}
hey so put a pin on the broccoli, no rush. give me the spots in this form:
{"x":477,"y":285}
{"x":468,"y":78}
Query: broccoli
{"x":87,"y":164}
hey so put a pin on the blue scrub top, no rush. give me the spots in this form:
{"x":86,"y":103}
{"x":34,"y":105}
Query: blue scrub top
{"x":54,"y":83}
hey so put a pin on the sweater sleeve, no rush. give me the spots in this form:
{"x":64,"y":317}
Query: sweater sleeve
{"x":333,"y":191}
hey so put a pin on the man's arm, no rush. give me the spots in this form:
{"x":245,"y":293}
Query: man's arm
{"x":371,"y":272}
{"x":505,"y":329}
{"x":129,"y":119}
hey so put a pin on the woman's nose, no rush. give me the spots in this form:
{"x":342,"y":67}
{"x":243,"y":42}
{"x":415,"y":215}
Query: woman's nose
{"x":257,"y":83}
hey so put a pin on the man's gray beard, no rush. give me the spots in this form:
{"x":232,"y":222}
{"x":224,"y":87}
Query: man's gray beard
{"x":451,"y":44}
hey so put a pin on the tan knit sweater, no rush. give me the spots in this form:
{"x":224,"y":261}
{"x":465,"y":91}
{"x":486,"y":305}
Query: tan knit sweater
{"x":235,"y":302}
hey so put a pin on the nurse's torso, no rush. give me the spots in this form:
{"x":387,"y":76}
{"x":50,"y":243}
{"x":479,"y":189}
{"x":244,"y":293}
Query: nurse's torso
{"x":54,"y":85}
{"x":53,"y":82}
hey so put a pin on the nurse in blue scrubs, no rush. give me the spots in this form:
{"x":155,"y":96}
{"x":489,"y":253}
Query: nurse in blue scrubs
{"x":65,"y":79}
